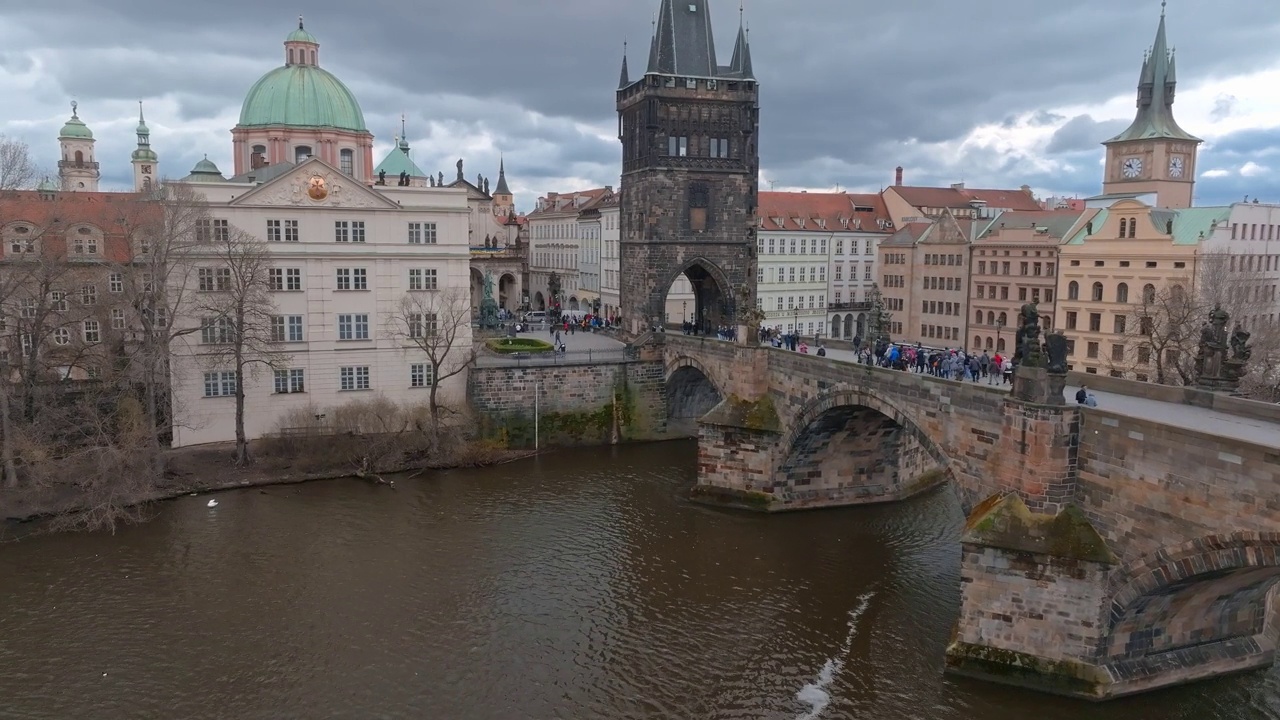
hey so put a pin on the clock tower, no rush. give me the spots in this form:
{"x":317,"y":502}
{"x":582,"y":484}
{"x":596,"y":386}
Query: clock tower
{"x":1154,"y":155}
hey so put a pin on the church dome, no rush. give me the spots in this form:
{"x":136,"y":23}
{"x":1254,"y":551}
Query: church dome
{"x":204,"y":171}
{"x":301,"y":96}
{"x":75,"y":128}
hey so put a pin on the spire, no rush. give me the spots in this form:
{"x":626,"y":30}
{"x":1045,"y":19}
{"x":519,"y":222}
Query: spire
{"x":740,"y":66}
{"x":300,"y":25}
{"x":403,"y":142}
{"x":501,"y":188}
{"x":1156,"y":93}
{"x":625,"y":80}
{"x":683,"y":42}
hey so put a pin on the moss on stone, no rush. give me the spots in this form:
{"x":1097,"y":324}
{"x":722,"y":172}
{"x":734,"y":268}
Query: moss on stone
{"x":1060,"y":677}
{"x":759,"y":415}
{"x":1006,"y":522}
{"x":729,"y":497}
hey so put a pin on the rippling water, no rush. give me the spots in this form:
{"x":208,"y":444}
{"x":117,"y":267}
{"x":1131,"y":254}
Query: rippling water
{"x":578,"y":585}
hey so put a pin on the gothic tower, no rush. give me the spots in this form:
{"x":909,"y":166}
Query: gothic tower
{"x":690,"y":166}
{"x":145,"y":162}
{"x":1154,"y":155}
{"x":77,"y":169}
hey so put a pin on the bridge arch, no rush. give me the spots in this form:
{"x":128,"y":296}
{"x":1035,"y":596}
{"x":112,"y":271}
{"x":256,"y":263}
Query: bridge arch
{"x":1210,"y":589}
{"x":711,"y":291}
{"x":849,"y":445}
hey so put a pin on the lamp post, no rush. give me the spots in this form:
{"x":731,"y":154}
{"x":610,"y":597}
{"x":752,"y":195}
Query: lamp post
{"x":999,"y":327}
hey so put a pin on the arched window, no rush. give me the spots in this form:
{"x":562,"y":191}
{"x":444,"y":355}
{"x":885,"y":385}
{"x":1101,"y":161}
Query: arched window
{"x":835,"y":326}
{"x":977,"y":317}
{"x":1073,"y":291}
{"x":1000,"y":345}
{"x":1122,"y":293}
{"x":1097,"y":292}
{"x":991,"y":318}
{"x":301,"y":154}
{"x":79,"y":158}
{"x":1004,"y":320}
{"x":1178,"y":294}
{"x":347,"y":161}
{"x":313,"y":57}
{"x":977,"y":342}
{"x":1124,"y":227}
{"x":989,"y":344}
{"x":1148,"y":293}
{"x":290,"y":56}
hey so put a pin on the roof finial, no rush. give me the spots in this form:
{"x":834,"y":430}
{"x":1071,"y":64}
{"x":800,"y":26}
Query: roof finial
{"x":74,"y":105}
{"x":300,"y":23}
{"x":403,"y":132}
{"x":141,"y":118}
{"x":1163,"y":3}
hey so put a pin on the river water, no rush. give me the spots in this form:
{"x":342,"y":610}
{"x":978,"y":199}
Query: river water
{"x":576,"y":585}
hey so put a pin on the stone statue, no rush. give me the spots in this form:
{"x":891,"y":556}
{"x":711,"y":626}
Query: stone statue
{"x":1028,"y":352}
{"x":1240,"y":348}
{"x":431,"y":179}
{"x":488,"y":307}
{"x":1055,"y":345}
{"x":440,"y":179}
{"x":404,"y":178}
{"x":479,"y":181}
{"x":459,"y":169}
{"x":1212,"y":355}
{"x":486,"y":186}
{"x":382,"y":177}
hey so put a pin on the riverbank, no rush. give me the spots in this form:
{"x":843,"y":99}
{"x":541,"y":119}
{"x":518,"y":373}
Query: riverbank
{"x":208,"y":469}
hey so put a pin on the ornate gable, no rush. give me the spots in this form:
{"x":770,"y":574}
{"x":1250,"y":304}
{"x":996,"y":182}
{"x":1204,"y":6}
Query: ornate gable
{"x":314,"y":183}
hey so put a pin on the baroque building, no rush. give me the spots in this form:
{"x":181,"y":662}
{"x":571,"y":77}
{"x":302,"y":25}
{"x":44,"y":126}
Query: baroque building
{"x":690,"y":164}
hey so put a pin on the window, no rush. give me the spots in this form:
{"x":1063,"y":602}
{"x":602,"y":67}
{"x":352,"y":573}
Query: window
{"x":1120,"y":322}
{"x":219,"y":384}
{"x":84,"y":242}
{"x":1148,"y":294}
{"x":1144,"y":355}
{"x":1151,"y":264}
{"x":61,"y":336}
{"x":1122,"y":293}
{"x":213,"y":231}
{"x":1071,"y":347}
{"x":1093,"y":350}
{"x":1117,"y":353}
{"x":214,"y":279}
{"x":348,"y":231}
{"x":420,"y":375}
{"x":27,"y":309}
{"x":290,"y":381}
{"x":89,"y":295}
{"x":282,"y":231}
{"x":347,"y":162}
{"x":1022,"y":294}
{"x":352,"y":279}
{"x":1073,"y":290}
{"x":677,"y":146}
{"x":1146,"y":326}
{"x":115,"y":283}
{"x":422,"y":279}
{"x":353,"y":327}
{"x":285,"y":279}
{"x":423,"y":325}
{"x":216,"y":331}
{"x":1095,"y":322}
{"x":117,"y":319}
{"x":1071,"y":320}
{"x":422,"y":233}
{"x":286,"y":328}
{"x":92,"y":331}
{"x":274,"y":232}
{"x":354,"y":378}
{"x":1097,"y":292}
{"x":1182,"y":265}
{"x":719,"y":147}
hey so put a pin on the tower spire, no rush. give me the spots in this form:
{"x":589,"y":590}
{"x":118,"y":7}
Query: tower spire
{"x":625,"y":80}
{"x":501,"y":187}
{"x":1156,"y":88}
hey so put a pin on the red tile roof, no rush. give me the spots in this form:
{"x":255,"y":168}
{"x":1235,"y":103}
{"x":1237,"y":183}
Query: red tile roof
{"x":861,"y":212}
{"x":115,"y":215}
{"x":955,"y":197}
{"x":551,"y":200}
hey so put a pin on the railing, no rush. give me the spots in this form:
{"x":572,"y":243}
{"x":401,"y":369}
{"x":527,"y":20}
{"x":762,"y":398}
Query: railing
{"x":72,"y":164}
{"x":863,"y":306}
{"x":575,"y":357}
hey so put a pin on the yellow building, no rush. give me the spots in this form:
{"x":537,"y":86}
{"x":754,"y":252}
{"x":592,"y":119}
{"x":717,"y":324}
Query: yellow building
{"x":1116,"y":277}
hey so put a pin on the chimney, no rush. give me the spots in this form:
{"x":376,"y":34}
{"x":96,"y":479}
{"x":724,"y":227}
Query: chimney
{"x":957,"y":186}
{"x":898,"y":177}
{"x":1026,"y":189}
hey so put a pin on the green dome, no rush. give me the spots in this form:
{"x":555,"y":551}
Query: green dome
{"x":145,"y":154}
{"x":75,"y":128}
{"x":205,"y":171}
{"x":301,"y":35}
{"x":301,"y":96}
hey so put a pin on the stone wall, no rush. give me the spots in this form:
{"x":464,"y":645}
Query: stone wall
{"x":577,"y":404}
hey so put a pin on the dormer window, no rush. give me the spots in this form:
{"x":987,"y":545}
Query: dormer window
{"x":800,"y":223}
{"x":780,"y":222}
{"x":21,"y":241}
{"x":84,"y":242}
{"x":822,"y":223}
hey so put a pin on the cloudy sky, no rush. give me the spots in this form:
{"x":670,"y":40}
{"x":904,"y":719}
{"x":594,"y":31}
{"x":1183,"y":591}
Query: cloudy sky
{"x":998,"y":93}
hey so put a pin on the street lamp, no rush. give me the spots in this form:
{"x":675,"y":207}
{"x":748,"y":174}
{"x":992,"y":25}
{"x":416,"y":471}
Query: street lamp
{"x":999,"y":327}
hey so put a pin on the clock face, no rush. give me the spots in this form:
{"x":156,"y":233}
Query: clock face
{"x":1175,"y":167}
{"x":1132,"y":167}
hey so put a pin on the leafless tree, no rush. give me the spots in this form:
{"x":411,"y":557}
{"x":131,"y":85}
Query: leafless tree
{"x":230,"y":274}
{"x":18,"y":171}
{"x":1160,"y":332}
{"x":438,"y":324}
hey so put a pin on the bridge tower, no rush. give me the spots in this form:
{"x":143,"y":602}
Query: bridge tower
{"x":690,"y":166}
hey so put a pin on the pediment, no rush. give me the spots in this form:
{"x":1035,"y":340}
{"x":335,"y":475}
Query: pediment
{"x":316,"y":184}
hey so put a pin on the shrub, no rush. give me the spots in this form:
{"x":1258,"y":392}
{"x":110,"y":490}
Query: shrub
{"x":518,"y":345}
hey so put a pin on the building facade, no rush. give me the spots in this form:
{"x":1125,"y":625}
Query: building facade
{"x":555,"y":248}
{"x":610,"y":267}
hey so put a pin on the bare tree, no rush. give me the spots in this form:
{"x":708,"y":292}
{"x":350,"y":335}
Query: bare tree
{"x":1159,"y":333}
{"x":437,"y":323}
{"x":233,"y":300}
{"x":17,"y":170}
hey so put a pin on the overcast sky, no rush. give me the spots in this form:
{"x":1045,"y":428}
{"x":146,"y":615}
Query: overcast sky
{"x":998,"y":93}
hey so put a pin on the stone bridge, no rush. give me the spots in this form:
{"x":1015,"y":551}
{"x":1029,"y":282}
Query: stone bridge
{"x":1107,"y":552}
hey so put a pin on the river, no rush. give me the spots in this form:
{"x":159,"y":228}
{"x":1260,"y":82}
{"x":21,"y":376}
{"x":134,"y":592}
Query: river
{"x":576,"y":585}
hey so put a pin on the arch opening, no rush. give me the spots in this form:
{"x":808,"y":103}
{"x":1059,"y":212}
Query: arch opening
{"x":477,"y":289}
{"x":539,"y":302}
{"x":852,"y":454}
{"x":696,"y":301}
{"x":690,"y":395}
{"x":507,"y":293}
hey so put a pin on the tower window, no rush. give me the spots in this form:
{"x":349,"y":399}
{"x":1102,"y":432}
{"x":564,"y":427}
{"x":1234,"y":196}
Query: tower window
{"x":677,"y":146}
{"x":79,"y":158}
{"x":301,"y":154}
{"x":719,"y":147}
{"x":347,"y":162}
{"x":290,"y":56}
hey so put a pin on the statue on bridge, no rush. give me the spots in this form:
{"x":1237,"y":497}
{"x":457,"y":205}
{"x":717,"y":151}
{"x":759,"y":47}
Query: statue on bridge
{"x":488,"y":306}
{"x":1211,"y":360}
{"x":1028,"y":352}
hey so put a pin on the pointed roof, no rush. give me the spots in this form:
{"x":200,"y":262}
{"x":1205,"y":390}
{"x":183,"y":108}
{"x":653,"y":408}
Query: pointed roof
{"x":502,"y":189}
{"x":398,"y":161}
{"x":625,"y":79}
{"x":740,"y":65}
{"x":683,"y":43}
{"x":1155,"y":96}
{"x":144,"y":153}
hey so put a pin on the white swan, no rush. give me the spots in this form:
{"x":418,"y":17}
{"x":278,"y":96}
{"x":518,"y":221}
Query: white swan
{"x":213,"y":503}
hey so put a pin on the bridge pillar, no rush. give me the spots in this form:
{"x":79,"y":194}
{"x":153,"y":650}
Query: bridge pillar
{"x":1033,"y":602}
{"x":1037,"y":450}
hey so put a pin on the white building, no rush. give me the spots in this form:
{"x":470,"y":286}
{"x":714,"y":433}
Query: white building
{"x":610,"y":256}
{"x":1250,"y":242}
{"x":591,"y":231}
{"x":554,"y":247}
{"x":344,"y":255}
{"x":817,"y":260}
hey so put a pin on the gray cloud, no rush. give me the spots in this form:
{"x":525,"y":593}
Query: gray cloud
{"x":848,"y":91}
